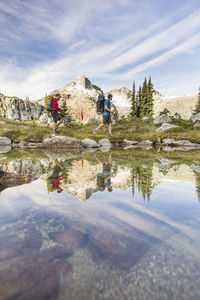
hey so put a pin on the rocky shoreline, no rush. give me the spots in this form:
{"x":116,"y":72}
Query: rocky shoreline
{"x":64,"y":142}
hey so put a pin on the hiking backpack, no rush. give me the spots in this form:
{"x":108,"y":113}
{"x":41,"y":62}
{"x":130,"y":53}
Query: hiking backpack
{"x":49,"y":105}
{"x":100,"y":104}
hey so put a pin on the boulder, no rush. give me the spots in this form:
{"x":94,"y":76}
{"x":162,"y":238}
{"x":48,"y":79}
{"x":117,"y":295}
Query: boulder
{"x":163,"y":119}
{"x":145,"y":143}
{"x":88,"y":143}
{"x":166,"y":126}
{"x":180,"y":143}
{"x":62,"y":142}
{"x":195,"y":168}
{"x":195,"y":118}
{"x":5,"y":149}
{"x":5,"y":141}
{"x":105,"y":143}
{"x":168,"y":141}
{"x":145,"y":118}
{"x":129,"y":143}
{"x":197,"y":124}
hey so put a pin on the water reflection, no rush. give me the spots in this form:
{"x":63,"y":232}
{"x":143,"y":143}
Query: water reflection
{"x":83,"y":176}
{"x":114,"y":246}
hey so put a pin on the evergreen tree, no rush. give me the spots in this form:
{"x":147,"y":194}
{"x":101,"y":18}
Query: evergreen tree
{"x":133,"y":102}
{"x":197,"y":175}
{"x":65,"y":113}
{"x":144,"y":100}
{"x":197,"y":107}
{"x":150,"y":97}
{"x":139,"y":102}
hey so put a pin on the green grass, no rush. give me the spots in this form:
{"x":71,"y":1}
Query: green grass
{"x":133,"y":129}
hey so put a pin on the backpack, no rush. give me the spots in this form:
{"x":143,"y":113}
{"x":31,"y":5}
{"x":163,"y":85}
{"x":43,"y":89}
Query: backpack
{"x":50,"y":186}
{"x":100,"y":104}
{"x":49,"y":105}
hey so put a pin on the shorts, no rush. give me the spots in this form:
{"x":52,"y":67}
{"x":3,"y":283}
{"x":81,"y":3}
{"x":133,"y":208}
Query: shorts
{"x":107,"y":119}
{"x":56,"y":117}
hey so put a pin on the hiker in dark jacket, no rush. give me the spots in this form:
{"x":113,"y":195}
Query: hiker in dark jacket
{"x":55,"y":114}
{"x":106,"y":116}
{"x":104,"y":178}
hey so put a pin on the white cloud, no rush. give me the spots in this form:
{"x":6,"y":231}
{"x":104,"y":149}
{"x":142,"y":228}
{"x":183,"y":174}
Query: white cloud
{"x":87,"y":46}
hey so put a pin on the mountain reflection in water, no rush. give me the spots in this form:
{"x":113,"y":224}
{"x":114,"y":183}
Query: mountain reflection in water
{"x":135,"y":237}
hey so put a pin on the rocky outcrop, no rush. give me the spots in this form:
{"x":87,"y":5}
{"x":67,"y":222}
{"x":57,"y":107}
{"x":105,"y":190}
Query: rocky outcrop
{"x":163,"y":119}
{"x":12,"y":179}
{"x":195,"y":118}
{"x":184,"y":106}
{"x":167,"y":126}
{"x":81,"y":96}
{"x":17,"y":109}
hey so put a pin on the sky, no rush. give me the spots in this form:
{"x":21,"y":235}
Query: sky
{"x":48,"y":43}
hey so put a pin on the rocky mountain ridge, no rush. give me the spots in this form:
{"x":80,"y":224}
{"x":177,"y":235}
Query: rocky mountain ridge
{"x":81,"y":96}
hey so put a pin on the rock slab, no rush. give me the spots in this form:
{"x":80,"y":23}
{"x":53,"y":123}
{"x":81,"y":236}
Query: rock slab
{"x":62,"y":142}
{"x":5,"y":141}
{"x":167,"y":126}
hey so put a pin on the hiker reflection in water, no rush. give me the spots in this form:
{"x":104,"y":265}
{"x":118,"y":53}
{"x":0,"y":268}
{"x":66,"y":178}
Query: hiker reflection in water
{"x":53,"y":181}
{"x":104,"y":178}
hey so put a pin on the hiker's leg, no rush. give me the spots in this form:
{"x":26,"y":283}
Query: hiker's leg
{"x":110,"y":128}
{"x":60,"y":122}
{"x":54,"y":126}
{"x":99,"y":127}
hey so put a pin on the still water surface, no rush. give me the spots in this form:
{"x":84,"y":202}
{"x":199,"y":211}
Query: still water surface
{"x":100,"y":226}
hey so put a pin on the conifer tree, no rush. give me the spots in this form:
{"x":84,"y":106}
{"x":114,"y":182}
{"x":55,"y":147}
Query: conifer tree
{"x":197,"y":107}
{"x":197,"y":175}
{"x":65,"y":113}
{"x":139,"y":102}
{"x":144,"y":100}
{"x":133,"y":102}
{"x":150,"y":97}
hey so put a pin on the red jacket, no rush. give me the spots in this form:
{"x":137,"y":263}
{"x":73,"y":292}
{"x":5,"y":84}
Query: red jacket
{"x":55,"y":105}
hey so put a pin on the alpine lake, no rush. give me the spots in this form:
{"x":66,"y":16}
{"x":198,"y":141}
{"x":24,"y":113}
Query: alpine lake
{"x":122,"y":224}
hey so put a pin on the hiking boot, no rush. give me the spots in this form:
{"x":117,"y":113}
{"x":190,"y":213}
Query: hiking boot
{"x":53,"y":134}
{"x":94,"y":131}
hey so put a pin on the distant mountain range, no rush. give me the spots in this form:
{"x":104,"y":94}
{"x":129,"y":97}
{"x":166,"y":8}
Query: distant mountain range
{"x":81,"y":96}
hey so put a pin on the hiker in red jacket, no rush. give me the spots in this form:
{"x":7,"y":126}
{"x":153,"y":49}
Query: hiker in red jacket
{"x":56,"y":117}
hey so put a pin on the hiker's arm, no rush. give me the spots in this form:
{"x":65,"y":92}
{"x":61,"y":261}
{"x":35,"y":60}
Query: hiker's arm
{"x":106,"y":108}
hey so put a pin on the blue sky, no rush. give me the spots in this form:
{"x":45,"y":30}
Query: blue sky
{"x":45,"y":44}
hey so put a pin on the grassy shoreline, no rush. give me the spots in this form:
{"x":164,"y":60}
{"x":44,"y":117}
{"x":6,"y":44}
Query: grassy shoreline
{"x":135,"y":129}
